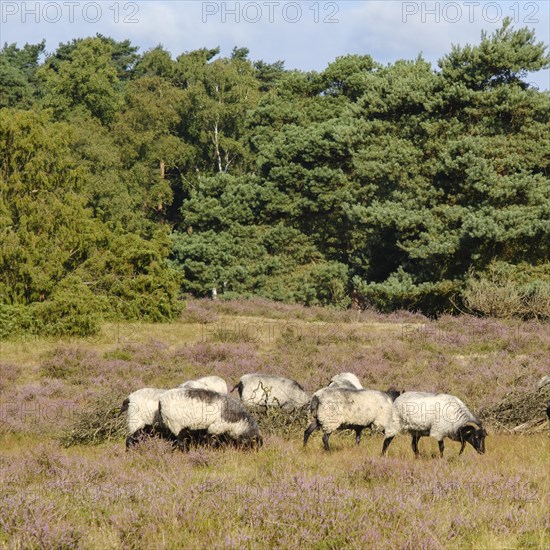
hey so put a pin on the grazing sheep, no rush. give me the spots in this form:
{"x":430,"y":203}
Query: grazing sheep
{"x":437,"y":415}
{"x":213,"y":383}
{"x":266,"y":390}
{"x":345,"y":380}
{"x":343,"y":408}
{"x":191,"y":412}
{"x":141,"y":408}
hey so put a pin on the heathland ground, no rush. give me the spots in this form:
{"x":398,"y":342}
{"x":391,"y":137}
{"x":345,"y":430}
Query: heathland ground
{"x":67,"y":481}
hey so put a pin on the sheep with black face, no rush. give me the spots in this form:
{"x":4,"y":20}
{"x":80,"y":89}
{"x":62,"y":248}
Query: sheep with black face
{"x":436,"y":415}
{"x":192,"y":413}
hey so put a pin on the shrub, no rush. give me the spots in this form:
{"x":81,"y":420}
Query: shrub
{"x":400,"y":291}
{"x":135,"y":279}
{"x":196,"y":311}
{"x":73,"y":310}
{"x":69,"y":363}
{"x":507,"y":291}
{"x":9,"y":373}
{"x":326,"y":284}
{"x":16,"y":320}
{"x":130,"y":281}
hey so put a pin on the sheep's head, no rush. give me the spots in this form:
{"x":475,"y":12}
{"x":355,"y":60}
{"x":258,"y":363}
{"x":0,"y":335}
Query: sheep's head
{"x":474,"y":434}
{"x":252,"y":443}
{"x":256,"y":442}
{"x":394,"y":393}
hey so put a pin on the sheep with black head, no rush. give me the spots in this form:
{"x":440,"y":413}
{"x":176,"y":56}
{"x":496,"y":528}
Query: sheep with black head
{"x":436,"y":415}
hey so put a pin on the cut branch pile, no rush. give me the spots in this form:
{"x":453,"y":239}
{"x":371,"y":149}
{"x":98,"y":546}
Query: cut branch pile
{"x":520,"y":411}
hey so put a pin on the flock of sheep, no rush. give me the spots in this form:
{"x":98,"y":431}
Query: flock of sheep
{"x":202,"y":410}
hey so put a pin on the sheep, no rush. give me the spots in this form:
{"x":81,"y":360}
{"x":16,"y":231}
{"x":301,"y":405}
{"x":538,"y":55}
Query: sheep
{"x":548,"y":410}
{"x":188,"y":412}
{"x":437,"y":415}
{"x":213,"y":383}
{"x":344,"y":408}
{"x":345,"y":380}
{"x":142,"y":417}
{"x":266,"y":390}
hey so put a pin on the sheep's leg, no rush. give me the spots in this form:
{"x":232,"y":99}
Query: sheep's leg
{"x":134,"y":439}
{"x":165,"y":433}
{"x":386,"y":444}
{"x":325,"y":441}
{"x":184,"y":438}
{"x":441,"y":448}
{"x":462,"y":445}
{"x":172,"y":439}
{"x":202,"y":437}
{"x":131,"y":440}
{"x":310,"y":429}
{"x":415,"y":439}
{"x":358,"y":431}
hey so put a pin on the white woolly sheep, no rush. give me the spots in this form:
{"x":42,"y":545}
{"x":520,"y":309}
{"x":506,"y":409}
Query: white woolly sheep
{"x":436,"y":415}
{"x":141,"y":408}
{"x":345,"y":380}
{"x":344,"y":408}
{"x":213,"y":383}
{"x":267,"y":390}
{"x":189,"y":413}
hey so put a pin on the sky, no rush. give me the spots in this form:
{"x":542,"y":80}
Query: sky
{"x":305,"y":34}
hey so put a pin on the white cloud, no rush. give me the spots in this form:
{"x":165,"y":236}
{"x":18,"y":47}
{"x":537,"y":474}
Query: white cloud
{"x":387,"y":30}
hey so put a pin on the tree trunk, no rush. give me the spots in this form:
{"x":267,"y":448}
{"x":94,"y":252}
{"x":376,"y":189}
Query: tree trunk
{"x":217,"y":147}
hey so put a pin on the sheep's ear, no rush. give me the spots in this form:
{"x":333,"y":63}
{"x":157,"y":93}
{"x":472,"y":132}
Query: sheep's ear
{"x":472,"y":425}
{"x":467,"y":429}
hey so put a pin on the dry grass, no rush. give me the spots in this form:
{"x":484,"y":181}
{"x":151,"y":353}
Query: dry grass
{"x":279,"y":497}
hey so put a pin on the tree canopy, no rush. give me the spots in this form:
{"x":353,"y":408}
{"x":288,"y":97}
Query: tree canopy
{"x":128,"y":180}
